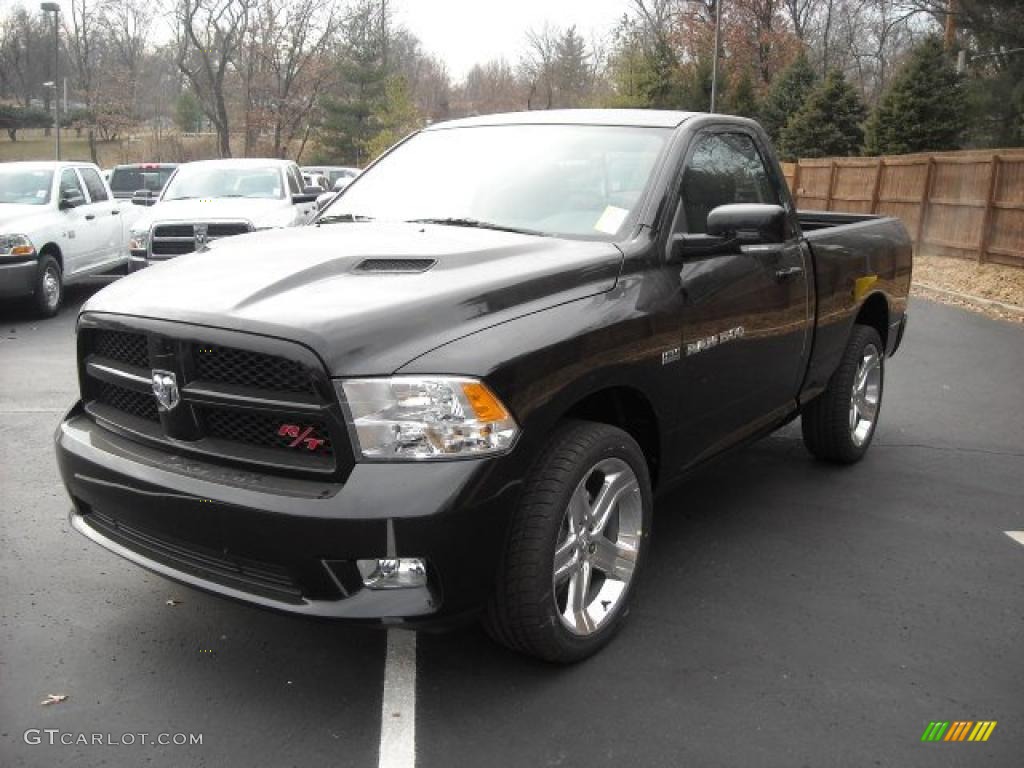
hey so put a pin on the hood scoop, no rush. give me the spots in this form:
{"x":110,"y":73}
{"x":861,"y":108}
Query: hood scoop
{"x":377,"y":266}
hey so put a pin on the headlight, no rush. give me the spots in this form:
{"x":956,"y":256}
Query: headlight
{"x":138,"y":240}
{"x":16,"y":245}
{"x":411,"y":417}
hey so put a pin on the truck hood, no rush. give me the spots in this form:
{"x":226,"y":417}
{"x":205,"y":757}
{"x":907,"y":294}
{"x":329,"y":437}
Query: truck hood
{"x":259,"y":211}
{"x":310,"y":285}
{"x":22,"y":219}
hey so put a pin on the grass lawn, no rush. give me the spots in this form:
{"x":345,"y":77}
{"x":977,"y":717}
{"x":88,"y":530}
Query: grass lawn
{"x":33,"y":145}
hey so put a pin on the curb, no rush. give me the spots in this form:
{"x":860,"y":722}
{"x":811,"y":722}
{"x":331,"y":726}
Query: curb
{"x":968,"y":297}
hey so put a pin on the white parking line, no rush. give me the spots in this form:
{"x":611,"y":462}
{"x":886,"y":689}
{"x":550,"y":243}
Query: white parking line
{"x":398,"y":708}
{"x":1017,"y":536}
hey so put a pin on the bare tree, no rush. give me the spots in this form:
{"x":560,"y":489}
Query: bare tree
{"x":129,"y":23}
{"x":538,"y":66}
{"x":84,"y":27}
{"x":296,"y":36}
{"x":210,"y":35}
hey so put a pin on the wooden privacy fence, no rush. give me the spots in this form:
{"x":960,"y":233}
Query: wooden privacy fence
{"x":966,"y":204}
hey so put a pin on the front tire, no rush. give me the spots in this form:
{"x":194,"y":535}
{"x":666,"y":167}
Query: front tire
{"x":49,"y":290}
{"x":578,"y":538}
{"x":839,"y":424}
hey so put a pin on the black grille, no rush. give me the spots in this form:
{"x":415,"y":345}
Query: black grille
{"x":243,"y":573}
{"x":300,"y":436}
{"x":226,"y":229}
{"x":173,"y":230}
{"x":127,"y":400}
{"x":127,"y":348}
{"x":173,"y":247}
{"x":165,"y":242}
{"x":250,"y":369}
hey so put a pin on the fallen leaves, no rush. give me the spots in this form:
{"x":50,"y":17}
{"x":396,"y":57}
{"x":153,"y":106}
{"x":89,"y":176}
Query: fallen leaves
{"x":54,"y":698}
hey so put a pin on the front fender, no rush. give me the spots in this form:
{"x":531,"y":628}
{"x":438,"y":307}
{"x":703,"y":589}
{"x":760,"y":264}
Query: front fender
{"x":542,"y":364}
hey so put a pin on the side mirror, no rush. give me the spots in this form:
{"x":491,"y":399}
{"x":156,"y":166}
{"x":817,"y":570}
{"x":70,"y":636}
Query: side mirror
{"x":730,"y":226}
{"x":70,"y":200}
{"x":144,"y":197}
{"x":748,"y":223}
{"x":324,"y":199}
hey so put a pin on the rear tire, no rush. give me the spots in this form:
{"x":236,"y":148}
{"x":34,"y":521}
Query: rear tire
{"x":49,"y":290}
{"x":578,"y":538}
{"x":839,"y":424}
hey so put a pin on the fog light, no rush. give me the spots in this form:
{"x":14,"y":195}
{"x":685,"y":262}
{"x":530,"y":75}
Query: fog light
{"x":393,"y":573}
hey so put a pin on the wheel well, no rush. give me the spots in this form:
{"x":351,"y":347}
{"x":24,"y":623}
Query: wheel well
{"x":629,"y":410}
{"x":875,"y":313}
{"x":52,"y":250}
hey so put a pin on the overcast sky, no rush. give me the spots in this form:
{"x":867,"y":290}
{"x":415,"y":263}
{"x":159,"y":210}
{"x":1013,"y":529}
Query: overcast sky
{"x":464,"y":32}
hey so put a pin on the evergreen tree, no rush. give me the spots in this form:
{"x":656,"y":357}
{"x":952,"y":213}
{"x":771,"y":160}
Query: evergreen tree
{"x":924,"y":108}
{"x":828,"y":124}
{"x":188,"y":113}
{"x":787,"y":95}
{"x":742,"y":100}
{"x":394,"y":118}
{"x":572,"y":69}
{"x":347,"y":127}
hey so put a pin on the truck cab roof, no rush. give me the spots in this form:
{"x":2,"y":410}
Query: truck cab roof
{"x":652,"y":118}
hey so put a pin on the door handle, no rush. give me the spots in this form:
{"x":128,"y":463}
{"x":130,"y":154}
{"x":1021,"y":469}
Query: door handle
{"x":114,"y":213}
{"x":787,"y":272}
{"x":90,"y":216}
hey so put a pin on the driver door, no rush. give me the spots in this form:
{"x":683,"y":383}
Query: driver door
{"x":745,"y":308}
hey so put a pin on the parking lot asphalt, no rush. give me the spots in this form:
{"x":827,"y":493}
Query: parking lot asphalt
{"x":791,"y":614}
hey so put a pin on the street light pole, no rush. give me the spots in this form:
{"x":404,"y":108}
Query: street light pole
{"x":54,"y":8}
{"x":718,"y":46}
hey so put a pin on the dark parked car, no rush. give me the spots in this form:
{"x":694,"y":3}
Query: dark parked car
{"x":126,"y":180}
{"x":458,"y":391}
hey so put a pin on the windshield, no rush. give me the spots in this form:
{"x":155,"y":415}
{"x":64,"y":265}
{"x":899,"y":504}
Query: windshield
{"x":219,"y":181}
{"x":131,"y":180}
{"x":23,"y":187}
{"x":569,"y":180}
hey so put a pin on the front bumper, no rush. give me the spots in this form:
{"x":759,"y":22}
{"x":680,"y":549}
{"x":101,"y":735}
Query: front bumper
{"x":18,"y":279}
{"x":291,"y":544}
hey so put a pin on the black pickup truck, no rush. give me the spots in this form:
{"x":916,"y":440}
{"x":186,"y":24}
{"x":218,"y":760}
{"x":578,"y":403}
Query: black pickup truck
{"x":456,"y":392}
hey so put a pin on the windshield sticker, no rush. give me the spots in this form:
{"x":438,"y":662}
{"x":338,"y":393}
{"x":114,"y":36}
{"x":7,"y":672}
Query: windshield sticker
{"x":611,"y":220}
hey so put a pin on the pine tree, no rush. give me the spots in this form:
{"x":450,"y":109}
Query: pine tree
{"x":829,"y":123}
{"x":924,"y":108}
{"x":394,"y":118}
{"x":363,"y":72}
{"x":572,"y":69}
{"x":787,"y":95}
{"x":741,"y":99}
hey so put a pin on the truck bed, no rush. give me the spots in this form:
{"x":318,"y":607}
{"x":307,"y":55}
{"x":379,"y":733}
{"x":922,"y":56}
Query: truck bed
{"x":855,"y":255}
{"x":812,"y":221}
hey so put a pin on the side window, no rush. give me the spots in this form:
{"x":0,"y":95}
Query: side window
{"x":69,"y":185}
{"x":294,"y":180}
{"x":724,"y":168}
{"x":93,"y":182}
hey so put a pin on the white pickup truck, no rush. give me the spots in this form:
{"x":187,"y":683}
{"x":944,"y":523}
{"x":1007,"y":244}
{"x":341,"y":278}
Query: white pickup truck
{"x":59,"y":223}
{"x":211,"y":199}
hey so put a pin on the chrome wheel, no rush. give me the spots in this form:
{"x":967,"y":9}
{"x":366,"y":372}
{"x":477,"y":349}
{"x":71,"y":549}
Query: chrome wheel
{"x":597,"y":547}
{"x":51,"y":287}
{"x":866,"y":395}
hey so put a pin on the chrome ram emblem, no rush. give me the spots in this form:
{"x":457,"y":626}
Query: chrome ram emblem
{"x":200,"y":234}
{"x":165,"y":387}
